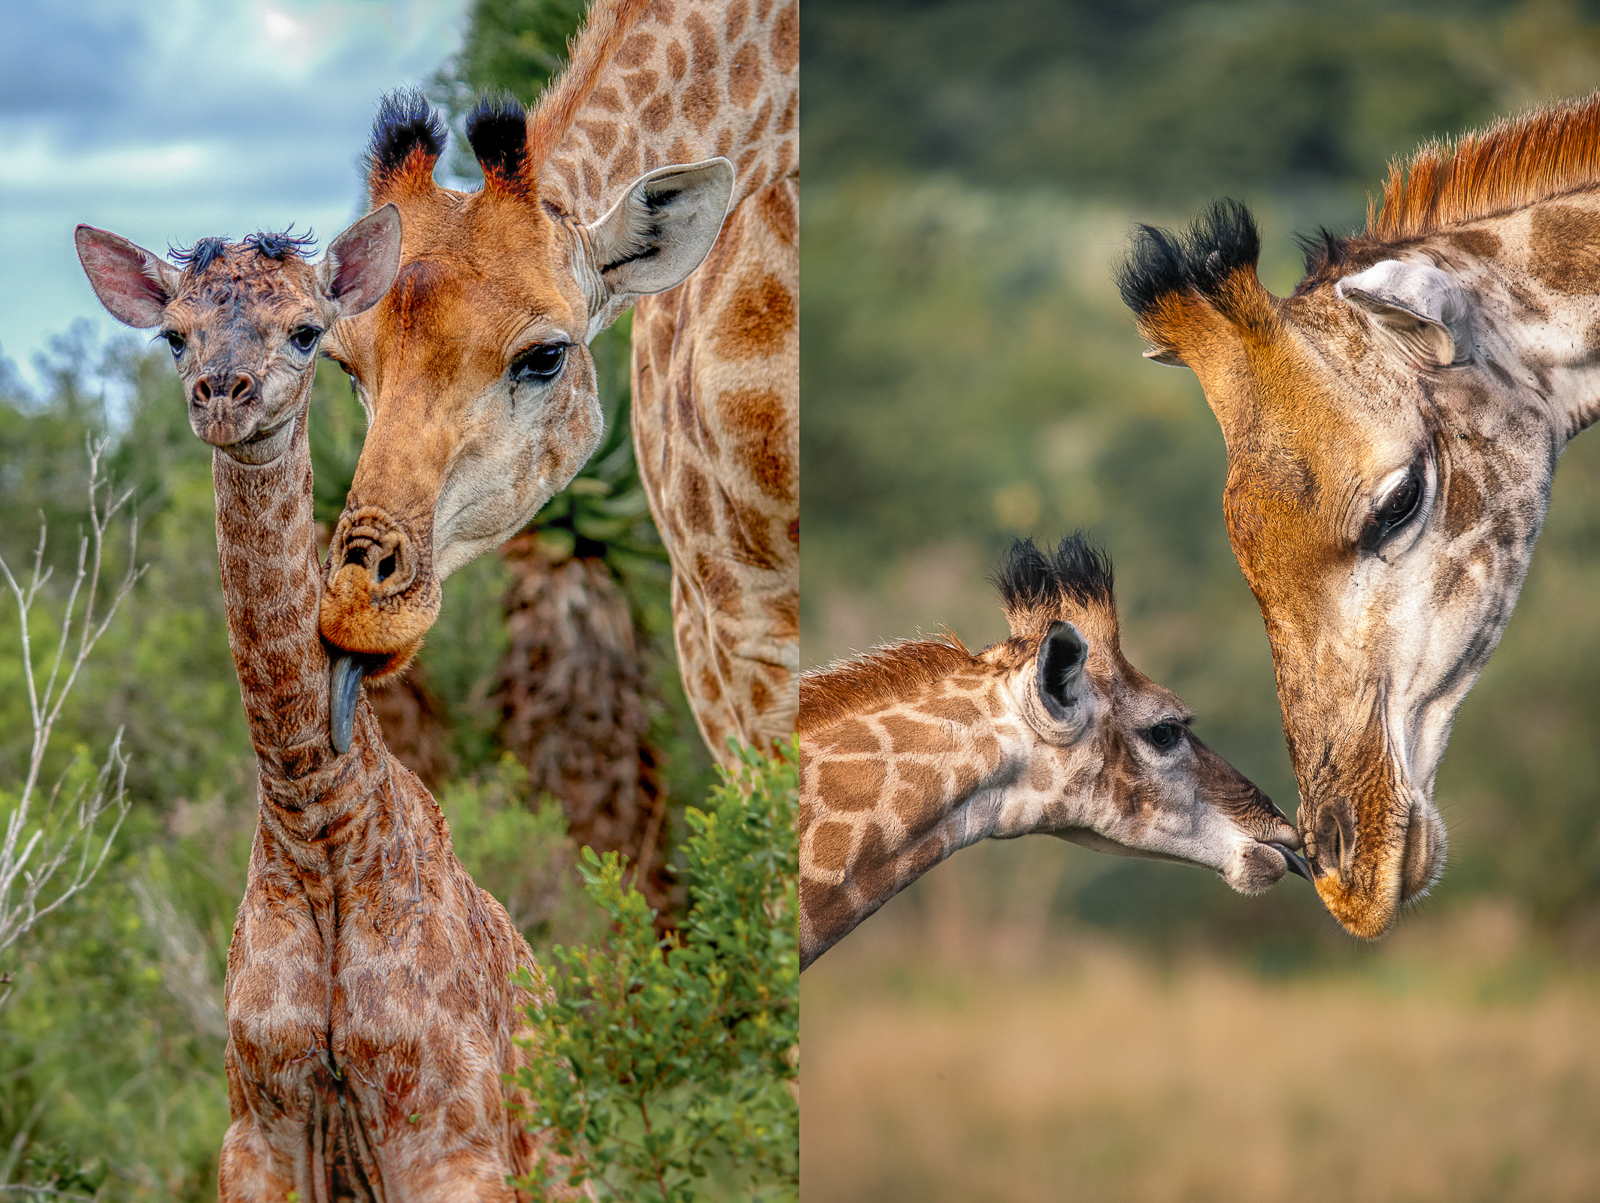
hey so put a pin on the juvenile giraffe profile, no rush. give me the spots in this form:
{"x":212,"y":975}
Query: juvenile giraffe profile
{"x":918,"y":749}
{"x":370,"y":1009}
{"x":1392,"y":428}
{"x":475,"y":370}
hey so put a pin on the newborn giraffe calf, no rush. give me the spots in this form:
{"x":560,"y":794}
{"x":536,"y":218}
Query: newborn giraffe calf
{"x":371,"y":1012}
{"x":919,"y":748}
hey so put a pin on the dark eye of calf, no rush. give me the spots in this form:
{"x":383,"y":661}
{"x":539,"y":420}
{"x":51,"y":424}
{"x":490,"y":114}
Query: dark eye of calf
{"x":304,"y":339}
{"x":538,"y":364}
{"x":175,"y":341}
{"x":1395,"y":512}
{"x":1164,"y":737}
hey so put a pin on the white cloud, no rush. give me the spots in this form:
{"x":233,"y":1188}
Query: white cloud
{"x":188,"y":119}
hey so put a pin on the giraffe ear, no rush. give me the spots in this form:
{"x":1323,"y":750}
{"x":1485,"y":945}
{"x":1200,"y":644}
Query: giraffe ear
{"x":1060,"y":673}
{"x":362,"y":262}
{"x":661,"y":229}
{"x":134,"y":285}
{"x":1423,"y":312}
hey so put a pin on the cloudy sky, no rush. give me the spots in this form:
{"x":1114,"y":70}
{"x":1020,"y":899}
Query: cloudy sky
{"x":172,"y":120}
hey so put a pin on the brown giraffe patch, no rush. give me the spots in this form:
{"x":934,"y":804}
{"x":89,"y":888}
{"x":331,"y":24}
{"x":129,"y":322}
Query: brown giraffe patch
{"x":738,"y":13}
{"x":1564,"y":245}
{"x":695,"y":500}
{"x":759,"y":422}
{"x":786,"y":39}
{"x":958,"y":710}
{"x":636,"y":51}
{"x":744,"y":75}
{"x":875,"y":863}
{"x":905,"y":734}
{"x":758,"y":318}
{"x":850,"y":738}
{"x":851,"y":784}
{"x":830,"y":846}
{"x":1463,"y":507}
{"x":1485,"y":244}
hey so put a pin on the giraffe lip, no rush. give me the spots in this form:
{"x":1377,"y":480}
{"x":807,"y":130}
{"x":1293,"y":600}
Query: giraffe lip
{"x":1294,"y":860}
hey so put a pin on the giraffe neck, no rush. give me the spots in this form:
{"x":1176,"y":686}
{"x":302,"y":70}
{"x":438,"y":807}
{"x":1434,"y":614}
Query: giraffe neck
{"x":889,"y":793}
{"x":684,"y":80}
{"x":272,"y":586}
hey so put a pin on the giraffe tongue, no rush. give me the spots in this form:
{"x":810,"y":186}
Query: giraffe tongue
{"x":1297,"y":865}
{"x":344,"y":688}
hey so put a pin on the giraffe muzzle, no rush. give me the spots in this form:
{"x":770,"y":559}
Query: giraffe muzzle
{"x":381,"y":594}
{"x":225,"y":407}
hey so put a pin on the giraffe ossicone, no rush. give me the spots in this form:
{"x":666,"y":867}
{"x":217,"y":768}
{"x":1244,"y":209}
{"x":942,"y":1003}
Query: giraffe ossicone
{"x":372,"y":1015}
{"x":918,"y":749}
{"x":1392,"y":429}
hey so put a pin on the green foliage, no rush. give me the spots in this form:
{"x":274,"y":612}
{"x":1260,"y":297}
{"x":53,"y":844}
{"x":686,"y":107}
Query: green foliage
{"x":666,"y":1062}
{"x":520,"y":854}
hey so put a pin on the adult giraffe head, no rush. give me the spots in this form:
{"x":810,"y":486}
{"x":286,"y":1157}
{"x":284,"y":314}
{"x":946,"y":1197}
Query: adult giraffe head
{"x":1392,"y":428}
{"x":475,"y":371}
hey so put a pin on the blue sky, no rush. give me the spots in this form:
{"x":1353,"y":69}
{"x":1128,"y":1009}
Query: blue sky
{"x":172,"y":120}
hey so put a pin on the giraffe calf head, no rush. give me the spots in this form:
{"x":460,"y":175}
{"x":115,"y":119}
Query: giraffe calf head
{"x":244,"y":319}
{"x":1111,"y":763}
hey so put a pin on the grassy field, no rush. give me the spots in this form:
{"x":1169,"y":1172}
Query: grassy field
{"x":947,"y":1059}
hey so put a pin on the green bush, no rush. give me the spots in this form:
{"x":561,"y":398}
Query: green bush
{"x":667,"y":1061}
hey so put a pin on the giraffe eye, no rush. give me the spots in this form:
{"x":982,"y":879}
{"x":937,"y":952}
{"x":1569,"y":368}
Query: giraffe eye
{"x":1395,"y":511}
{"x":1164,"y":737}
{"x":304,"y":339}
{"x":175,"y":341}
{"x":539,"y":364}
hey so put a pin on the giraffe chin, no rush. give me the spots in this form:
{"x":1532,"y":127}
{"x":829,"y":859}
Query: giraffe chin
{"x":1364,"y":894}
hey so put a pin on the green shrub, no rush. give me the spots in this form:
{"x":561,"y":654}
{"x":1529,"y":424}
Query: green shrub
{"x":668,"y":1061}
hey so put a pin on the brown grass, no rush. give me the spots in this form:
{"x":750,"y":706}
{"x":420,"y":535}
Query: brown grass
{"x":1459,"y":1064}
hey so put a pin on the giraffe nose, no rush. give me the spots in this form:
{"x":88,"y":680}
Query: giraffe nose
{"x":236,"y":386}
{"x":376,"y":544}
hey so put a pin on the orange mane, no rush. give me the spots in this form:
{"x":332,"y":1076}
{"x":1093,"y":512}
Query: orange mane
{"x":592,"y":49}
{"x":885,"y":674}
{"x":1544,"y":153}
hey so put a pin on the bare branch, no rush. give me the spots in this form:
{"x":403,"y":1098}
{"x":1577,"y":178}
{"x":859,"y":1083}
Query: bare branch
{"x":53,"y":847}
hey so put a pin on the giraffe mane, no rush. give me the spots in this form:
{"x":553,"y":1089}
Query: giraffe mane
{"x":1549,"y":151}
{"x":884,"y":674}
{"x":589,"y":54}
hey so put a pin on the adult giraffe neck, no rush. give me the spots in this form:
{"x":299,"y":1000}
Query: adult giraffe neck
{"x":678,"y":82}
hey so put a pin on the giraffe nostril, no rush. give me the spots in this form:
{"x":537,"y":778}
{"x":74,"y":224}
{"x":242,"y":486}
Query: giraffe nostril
{"x":241,"y":387}
{"x":386,"y":567}
{"x":202,"y":389}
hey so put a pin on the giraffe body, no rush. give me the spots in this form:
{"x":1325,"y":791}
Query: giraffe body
{"x":922,"y":748}
{"x":1392,"y":429}
{"x":476,"y":372}
{"x":370,"y":1009}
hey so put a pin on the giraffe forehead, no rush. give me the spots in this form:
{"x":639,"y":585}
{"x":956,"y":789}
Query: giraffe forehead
{"x":247,"y":285}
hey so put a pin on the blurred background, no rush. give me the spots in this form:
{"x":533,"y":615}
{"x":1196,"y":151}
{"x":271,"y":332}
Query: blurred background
{"x":545,"y":710}
{"x":1033,"y":1021}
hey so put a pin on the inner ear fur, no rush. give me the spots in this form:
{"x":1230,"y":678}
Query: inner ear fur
{"x":361,"y":263}
{"x":662,"y":228}
{"x":134,"y":285}
{"x":1423,"y":311}
{"x":1062,"y":657}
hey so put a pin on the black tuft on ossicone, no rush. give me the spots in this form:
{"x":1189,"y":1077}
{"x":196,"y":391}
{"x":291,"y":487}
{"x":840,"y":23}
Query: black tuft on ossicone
{"x":1030,"y":578}
{"x":1222,"y":240}
{"x":498,"y":132}
{"x":279,"y":246}
{"x":406,"y":122}
{"x":198,"y":257}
